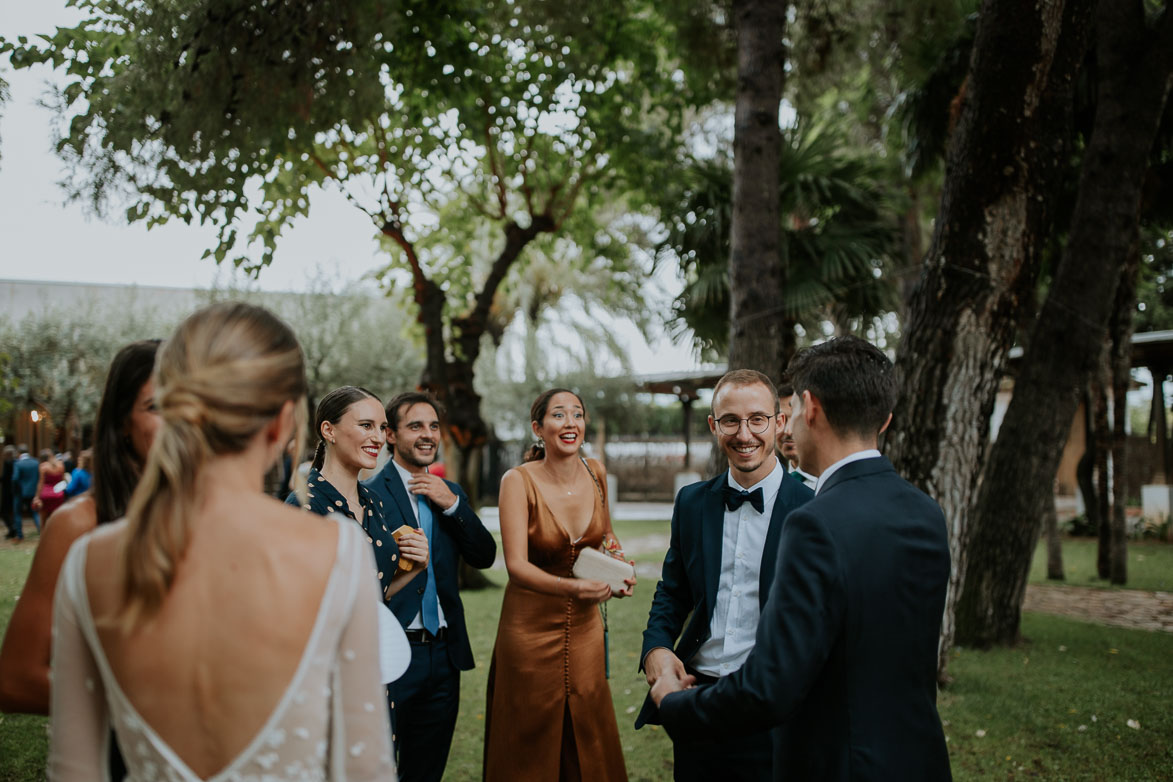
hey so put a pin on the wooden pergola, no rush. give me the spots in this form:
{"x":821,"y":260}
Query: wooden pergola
{"x":686,"y":387}
{"x":1152,"y":350}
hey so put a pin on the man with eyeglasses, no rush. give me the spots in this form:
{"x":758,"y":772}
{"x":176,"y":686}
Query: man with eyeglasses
{"x":719,"y":568}
{"x":844,"y":669}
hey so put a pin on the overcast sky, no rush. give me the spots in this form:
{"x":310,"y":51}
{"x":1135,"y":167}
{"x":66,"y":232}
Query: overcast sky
{"x":42,"y":238}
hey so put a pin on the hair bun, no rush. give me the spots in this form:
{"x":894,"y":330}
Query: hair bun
{"x":180,"y":404}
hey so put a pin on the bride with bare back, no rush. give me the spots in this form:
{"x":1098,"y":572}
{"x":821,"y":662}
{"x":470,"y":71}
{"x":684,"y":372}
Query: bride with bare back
{"x":221,"y":633}
{"x":549,"y":713}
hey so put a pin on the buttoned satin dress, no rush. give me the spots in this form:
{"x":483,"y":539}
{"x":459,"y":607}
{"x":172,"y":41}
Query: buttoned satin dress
{"x":549,"y":714}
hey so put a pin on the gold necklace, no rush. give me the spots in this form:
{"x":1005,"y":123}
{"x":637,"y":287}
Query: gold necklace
{"x":558,"y":482}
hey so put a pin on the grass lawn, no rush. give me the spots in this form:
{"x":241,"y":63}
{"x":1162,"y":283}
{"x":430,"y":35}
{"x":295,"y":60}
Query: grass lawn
{"x":1150,"y":565}
{"x":1056,"y":708}
{"x":23,"y":740}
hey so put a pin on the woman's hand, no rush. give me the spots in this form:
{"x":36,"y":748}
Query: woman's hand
{"x":589,"y":591}
{"x":629,"y":590}
{"x":413,"y":547}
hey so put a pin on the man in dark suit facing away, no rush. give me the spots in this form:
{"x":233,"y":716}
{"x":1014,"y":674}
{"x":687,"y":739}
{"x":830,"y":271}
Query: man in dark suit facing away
{"x":845,"y":659}
{"x":426,"y":699}
{"x":718,"y":570}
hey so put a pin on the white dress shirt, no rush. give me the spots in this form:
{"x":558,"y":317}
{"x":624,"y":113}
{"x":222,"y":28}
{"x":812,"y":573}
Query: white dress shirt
{"x":405,"y":476}
{"x":808,"y":480}
{"x":870,"y":453}
{"x":734,"y":623}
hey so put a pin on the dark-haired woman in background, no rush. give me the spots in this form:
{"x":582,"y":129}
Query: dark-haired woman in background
{"x":125,"y":428}
{"x":549,"y":714}
{"x":351,"y":427}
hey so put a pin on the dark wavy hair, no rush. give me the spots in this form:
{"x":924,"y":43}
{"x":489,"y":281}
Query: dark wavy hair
{"x":853,"y":381}
{"x":410,"y":399}
{"x":116,"y":466}
{"x":537,"y":413}
{"x":332,"y":407}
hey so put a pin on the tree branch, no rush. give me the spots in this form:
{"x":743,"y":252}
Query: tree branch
{"x":495,"y":166}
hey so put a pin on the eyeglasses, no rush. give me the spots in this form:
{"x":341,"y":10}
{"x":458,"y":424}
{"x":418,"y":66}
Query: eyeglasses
{"x":731,"y":424}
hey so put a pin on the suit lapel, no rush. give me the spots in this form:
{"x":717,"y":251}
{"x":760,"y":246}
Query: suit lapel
{"x":399,"y":494}
{"x":770,"y":549}
{"x":712,"y":535}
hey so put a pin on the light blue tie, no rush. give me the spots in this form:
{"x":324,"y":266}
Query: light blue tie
{"x":430,"y":606}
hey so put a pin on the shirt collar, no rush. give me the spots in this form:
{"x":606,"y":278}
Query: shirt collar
{"x":769,"y":485}
{"x":404,"y":475}
{"x":322,"y":497}
{"x":869,"y":453}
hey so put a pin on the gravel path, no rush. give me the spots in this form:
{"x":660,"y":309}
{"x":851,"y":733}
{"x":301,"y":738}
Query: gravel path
{"x":1129,"y":608}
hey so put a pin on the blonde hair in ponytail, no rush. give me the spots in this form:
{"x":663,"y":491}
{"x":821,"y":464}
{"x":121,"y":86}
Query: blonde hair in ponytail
{"x":225,"y":373}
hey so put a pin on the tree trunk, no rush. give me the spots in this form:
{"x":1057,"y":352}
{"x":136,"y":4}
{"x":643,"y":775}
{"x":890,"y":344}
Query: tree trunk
{"x":912,"y":249}
{"x":1054,"y":545}
{"x":1133,"y":66}
{"x":758,"y":335}
{"x":978,"y":277}
{"x":1120,"y":328}
{"x":1102,"y":433}
{"x":757,"y":338}
{"x":1085,"y":471}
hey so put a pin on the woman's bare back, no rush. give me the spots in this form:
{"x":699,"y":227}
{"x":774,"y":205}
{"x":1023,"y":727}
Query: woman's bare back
{"x":210,"y":668}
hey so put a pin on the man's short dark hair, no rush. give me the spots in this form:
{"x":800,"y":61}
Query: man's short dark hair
{"x":743,"y":377}
{"x":408,"y":399}
{"x":853,"y":381}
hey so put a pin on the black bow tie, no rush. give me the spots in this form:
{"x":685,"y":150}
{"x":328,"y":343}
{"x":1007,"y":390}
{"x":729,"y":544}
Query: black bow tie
{"x":735,"y":497}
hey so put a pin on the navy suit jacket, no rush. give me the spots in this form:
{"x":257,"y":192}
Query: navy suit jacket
{"x":461,"y":534}
{"x":25,"y":475}
{"x":845,"y":661}
{"x":692,"y":569}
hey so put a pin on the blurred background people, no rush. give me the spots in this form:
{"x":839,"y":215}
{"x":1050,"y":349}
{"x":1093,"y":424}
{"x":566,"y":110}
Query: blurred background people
{"x":26,"y":483}
{"x":49,"y":489}
{"x":6,"y":509}
{"x":80,"y":478}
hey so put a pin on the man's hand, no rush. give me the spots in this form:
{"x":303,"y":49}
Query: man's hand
{"x":662,"y":662}
{"x":434,"y":488}
{"x":413,"y":546}
{"x":668,"y":684}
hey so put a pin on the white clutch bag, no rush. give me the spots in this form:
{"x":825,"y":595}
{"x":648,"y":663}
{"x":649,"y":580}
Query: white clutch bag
{"x":597,"y":566}
{"x":394,"y":650}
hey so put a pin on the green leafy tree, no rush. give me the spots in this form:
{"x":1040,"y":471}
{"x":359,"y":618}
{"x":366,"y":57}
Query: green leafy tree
{"x":349,"y":336}
{"x":467,"y":132}
{"x":839,"y":229}
{"x":55,"y":360}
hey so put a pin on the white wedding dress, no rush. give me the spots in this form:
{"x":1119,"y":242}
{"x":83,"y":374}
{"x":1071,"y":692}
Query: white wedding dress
{"x":330,"y":724}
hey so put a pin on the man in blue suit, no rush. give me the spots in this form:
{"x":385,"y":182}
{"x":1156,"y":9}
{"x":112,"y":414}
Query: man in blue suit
{"x":844,"y":665}
{"x":719,"y":567}
{"x":424,"y":701}
{"x":26,"y":476}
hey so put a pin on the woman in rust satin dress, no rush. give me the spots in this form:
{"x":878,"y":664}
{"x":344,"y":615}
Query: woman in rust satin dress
{"x":549,"y":714}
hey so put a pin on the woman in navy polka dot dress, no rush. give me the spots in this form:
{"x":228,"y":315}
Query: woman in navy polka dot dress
{"x":350,"y":423}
